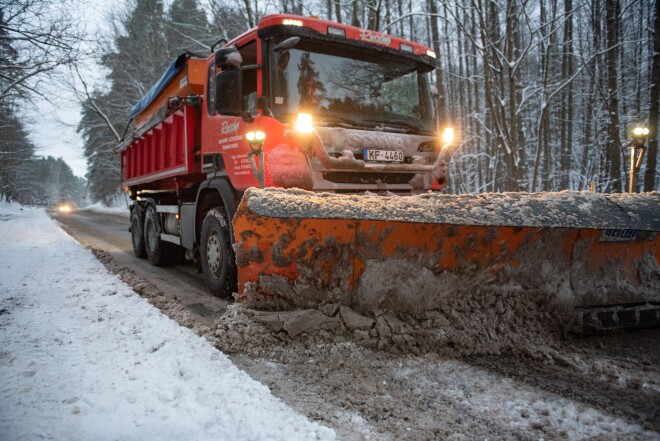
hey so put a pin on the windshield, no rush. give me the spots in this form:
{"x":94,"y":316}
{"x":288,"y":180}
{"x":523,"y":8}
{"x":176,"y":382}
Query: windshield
{"x":348,"y":88}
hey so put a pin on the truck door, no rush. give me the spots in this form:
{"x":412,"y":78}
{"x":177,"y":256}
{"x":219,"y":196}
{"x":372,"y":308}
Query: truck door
{"x":231,"y":103}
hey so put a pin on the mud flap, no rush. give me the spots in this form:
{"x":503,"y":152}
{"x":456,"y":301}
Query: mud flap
{"x":410,"y":254}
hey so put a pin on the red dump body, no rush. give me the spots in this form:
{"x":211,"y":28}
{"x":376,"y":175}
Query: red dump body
{"x":166,"y":151}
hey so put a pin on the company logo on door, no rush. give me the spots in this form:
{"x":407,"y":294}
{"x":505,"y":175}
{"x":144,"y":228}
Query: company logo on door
{"x":375,"y":37}
{"x":229,"y":127}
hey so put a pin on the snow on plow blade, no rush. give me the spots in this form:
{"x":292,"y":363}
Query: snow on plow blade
{"x":296,"y":249}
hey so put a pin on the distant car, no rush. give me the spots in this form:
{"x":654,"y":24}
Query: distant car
{"x":65,"y":206}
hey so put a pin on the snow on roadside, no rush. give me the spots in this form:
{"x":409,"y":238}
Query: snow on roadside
{"x":99,"y":207}
{"x":84,"y":357}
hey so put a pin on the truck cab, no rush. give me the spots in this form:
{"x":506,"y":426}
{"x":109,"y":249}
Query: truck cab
{"x":342,"y":109}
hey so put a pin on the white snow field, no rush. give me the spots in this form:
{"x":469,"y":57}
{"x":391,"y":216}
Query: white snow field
{"x":84,"y":357}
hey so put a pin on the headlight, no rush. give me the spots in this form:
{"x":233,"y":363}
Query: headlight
{"x":255,"y":136}
{"x":640,"y":131}
{"x":448,"y":135}
{"x":255,"y":140}
{"x":303,"y":123}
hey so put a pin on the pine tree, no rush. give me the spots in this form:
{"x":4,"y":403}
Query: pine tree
{"x":16,"y":154}
{"x":187,"y":29}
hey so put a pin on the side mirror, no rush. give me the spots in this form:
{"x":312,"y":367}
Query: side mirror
{"x":228,"y":58}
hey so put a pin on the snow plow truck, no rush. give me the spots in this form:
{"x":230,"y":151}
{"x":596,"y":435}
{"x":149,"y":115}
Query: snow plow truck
{"x":300,"y":164}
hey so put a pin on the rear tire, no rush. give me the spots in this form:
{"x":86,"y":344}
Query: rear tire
{"x":155,"y":248}
{"x":217,"y":255}
{"x":137,"y":232}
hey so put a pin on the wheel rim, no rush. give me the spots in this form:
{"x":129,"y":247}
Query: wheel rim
{"x":151,"y":235}
{"x":214,"y":255}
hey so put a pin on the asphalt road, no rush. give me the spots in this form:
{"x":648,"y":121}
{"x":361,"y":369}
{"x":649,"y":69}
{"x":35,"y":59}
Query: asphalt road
{"x":109,"y":233}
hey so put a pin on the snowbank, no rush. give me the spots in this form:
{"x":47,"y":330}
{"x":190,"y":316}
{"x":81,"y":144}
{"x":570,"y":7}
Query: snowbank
{"x":84,"y":357}
{"x":99,"y":207}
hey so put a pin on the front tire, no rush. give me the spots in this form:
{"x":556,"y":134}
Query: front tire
{"x":217,"y":255}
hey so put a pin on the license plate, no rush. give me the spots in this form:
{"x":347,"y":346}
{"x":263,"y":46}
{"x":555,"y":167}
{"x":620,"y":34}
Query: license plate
{"x":383,"y":155}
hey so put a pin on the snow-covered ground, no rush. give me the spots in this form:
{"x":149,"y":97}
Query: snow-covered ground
{"x":84,"y":357}
{"x":100,"y":207}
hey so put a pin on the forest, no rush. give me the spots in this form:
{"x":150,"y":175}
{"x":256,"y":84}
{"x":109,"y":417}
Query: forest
{"x":542,"y":94}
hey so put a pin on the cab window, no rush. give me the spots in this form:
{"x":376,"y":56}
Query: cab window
{"x":249,"y":92}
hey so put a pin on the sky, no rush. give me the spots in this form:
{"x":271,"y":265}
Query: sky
{"x":52,"y":129}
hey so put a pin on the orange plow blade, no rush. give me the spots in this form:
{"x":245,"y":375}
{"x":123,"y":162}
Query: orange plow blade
{"x":407,"y":255}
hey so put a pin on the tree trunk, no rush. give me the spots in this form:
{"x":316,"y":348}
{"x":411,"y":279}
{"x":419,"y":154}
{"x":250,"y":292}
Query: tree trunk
{"x":566,"y":148}
{"x":248,"y":12}
{"x":355,"y":21}
{"x":652,"y":153}
{"x":513,"y":76}
{"x":388,"y":13}
{"x":399,"y":5}
{"x":411,"y":20}
{"x":450,"y":102}
{"x":587,"y":140}
{"x":482,"y":160}
{"x":439,"y":81}
{"x":613,"y":152}
{"x":373,"y":20}
{"x":541,"y":124}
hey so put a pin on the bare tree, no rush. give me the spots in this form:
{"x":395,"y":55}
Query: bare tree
{"x":36,"y":37}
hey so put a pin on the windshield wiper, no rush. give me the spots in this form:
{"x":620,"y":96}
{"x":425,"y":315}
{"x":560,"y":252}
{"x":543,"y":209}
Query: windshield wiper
{"x":408,"y":127}
{"x":357,"y":122}
{"x":340,"y":121}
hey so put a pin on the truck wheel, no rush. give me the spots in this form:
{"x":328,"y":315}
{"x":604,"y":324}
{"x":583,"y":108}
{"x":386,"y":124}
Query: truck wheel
{"x":154,"y":246}
{"x":137,"y":234}
{"x":217,"y":255}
